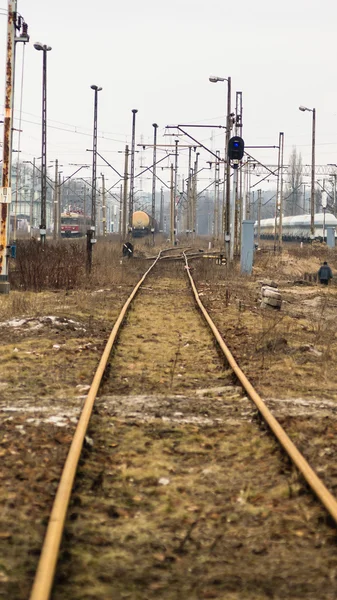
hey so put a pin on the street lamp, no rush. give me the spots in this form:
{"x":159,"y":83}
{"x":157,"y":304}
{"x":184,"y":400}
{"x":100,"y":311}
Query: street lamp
{"x":214,"y":79}
{"x":132,"y":168}
{"x":312,"y":201}
{"x":43,"y":225}
{"x":94,"y":158}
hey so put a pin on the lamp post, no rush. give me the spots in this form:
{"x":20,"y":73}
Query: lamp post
{"x":132,"y":168}
{"x":175,"y":228}
{"x":43,"y":224}
{"x":227,"y":232}
{"x":312,"y":200}
{"x":94,"y":158}
{"x":91,"y":231}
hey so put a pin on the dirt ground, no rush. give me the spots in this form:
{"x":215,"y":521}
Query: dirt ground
{"x":181,"y":489}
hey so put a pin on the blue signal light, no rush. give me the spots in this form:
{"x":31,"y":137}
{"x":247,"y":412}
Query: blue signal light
{"x":236,"y":148}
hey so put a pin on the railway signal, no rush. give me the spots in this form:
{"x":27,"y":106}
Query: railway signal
{"x":236,"y":148}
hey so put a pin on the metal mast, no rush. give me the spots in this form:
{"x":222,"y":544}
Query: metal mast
{"x":94,"y":158}
{"x":155,"y":127}
{"x":5,"y":196}
{"x":132,"y":169}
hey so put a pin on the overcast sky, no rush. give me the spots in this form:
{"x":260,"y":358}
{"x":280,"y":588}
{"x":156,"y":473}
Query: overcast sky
{"x":157,"y":57}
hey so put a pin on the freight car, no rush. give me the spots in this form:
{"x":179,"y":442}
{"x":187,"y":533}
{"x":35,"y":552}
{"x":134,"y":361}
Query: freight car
{"x":297,"y":228}
{"x":143,"y":224}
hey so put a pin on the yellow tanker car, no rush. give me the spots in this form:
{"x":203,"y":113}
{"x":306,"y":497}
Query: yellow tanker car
{"x":143,"y":224}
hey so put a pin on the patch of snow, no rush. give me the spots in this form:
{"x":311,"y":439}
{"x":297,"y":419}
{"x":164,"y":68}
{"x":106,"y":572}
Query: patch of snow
{"x":14,"y":322}
{"x":163,"y":481}
{"x":58,"y":420}
{"x":82,"y":388}
{"x":38,"y":322}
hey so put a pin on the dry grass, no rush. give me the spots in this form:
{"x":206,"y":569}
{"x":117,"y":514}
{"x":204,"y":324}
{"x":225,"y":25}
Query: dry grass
{"x":231,"y":520}
{"x":229,"y":517}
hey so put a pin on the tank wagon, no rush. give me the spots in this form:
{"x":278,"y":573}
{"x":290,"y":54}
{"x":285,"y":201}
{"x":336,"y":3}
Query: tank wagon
{"x":297,"y":228}
{"x":143,"y":224}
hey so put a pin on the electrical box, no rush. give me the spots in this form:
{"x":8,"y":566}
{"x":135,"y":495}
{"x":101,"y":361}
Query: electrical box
{"x":5,"y":195}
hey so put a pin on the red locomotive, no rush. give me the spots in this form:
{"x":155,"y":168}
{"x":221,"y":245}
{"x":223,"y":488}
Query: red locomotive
{"x":72,"y":224}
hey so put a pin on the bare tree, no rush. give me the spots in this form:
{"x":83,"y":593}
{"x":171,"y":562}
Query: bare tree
{"x":293,"y":204}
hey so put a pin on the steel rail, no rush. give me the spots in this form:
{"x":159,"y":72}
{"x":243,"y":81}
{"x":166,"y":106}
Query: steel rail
{"x":315,"y":483}
{"x":44,"y":577}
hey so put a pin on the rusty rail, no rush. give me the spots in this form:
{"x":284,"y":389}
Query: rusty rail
{"x":43,"y":582}
{"x":315,"y":483}
{"x":44,"y":577}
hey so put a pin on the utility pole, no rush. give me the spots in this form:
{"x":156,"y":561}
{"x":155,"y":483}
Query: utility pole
{"x":228,"y":175}
{"x":216,"y":199}
{"x":155,"y":127}
{"x":238,"y":187}
{"x":312,"y":203}
{"x":189,"y":190}
{"x":94,"y":159}
{"x":103,"y":205}
{"x":98,"y":212}
{"x":259,"y":201}
{"x":194,"y":196}
{"x":161,"y":214}
{"x":334,"y":175}
{"x":5,"y":196}
{"x":172,"y":236}
{"x":17,"y":187}
{"x":281,"y":190}
{"x":132,"y":173}
{"x":59,"y":204}
{"x":125,"y":196}
{"x":85,"y":206}
{"x":32,"y":198}
{"x":56,"y":192}
{"x":92,"y":229}
{"x":120,"y":226}
{"x":175,"y":188}
{"x":277,"y":205}
{"x":234,"y":215}
{"x":43,"y":223}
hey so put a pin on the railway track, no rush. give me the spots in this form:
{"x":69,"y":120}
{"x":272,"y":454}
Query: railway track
{"x":161,"y":444}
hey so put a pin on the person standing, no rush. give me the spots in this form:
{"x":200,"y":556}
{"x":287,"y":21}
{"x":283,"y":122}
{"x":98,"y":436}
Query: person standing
{"x":324,"y":274}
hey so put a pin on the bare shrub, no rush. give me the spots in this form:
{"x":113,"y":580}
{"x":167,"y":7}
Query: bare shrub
{"x":206,"y":269}
{"x":60,"y":265}
{"x":110,"y":268}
